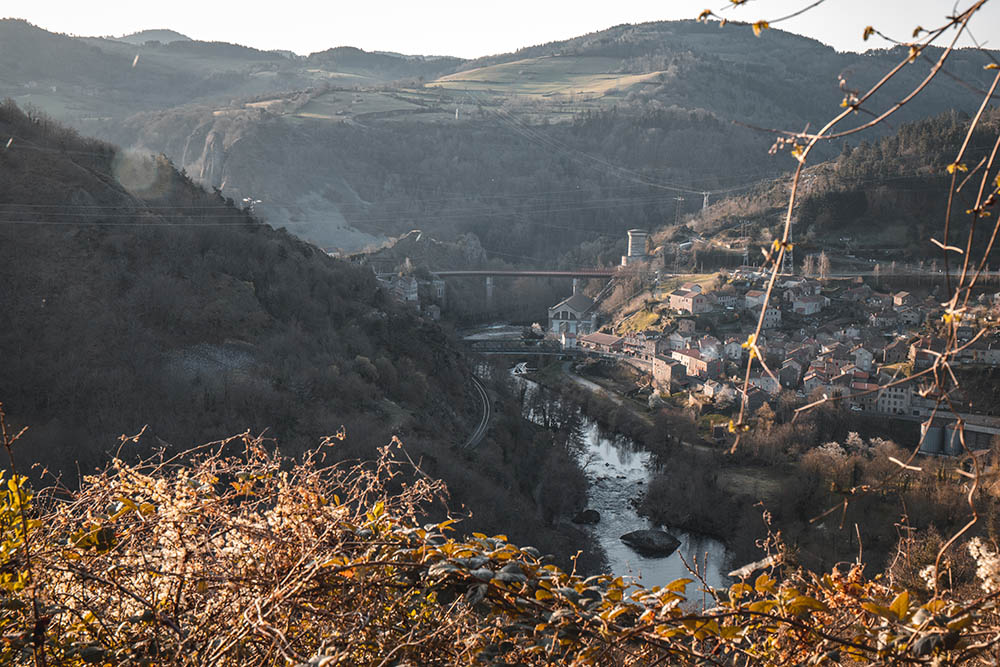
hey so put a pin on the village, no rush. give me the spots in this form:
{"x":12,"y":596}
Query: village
{"x":840,"y":339}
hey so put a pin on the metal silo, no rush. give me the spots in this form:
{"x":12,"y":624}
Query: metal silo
{"x":952,"y":440}
{"x":932,"y":439}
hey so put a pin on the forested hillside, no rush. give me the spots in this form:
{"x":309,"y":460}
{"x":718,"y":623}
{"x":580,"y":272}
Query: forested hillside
{"x":130,"y":297}
{"x":888,"y":192}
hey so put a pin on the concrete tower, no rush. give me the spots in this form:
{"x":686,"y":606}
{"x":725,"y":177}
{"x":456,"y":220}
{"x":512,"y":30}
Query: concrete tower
{"x":636,"y":247}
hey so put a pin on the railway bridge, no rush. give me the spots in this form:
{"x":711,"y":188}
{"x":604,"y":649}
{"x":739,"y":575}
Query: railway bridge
{"x":490,"y":274}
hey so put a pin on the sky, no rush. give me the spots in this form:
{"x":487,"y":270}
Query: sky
{"x":473,"y":28}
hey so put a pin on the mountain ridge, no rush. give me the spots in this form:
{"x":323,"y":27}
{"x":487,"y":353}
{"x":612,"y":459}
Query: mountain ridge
{"x":646,"y":109}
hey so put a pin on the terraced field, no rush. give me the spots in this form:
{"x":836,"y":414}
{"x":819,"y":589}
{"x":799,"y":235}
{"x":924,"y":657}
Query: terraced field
{"x":588,"y":76}
{"x":343,"y":104}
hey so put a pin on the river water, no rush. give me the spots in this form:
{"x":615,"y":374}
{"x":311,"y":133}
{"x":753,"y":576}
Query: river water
{"x":618,"y":471}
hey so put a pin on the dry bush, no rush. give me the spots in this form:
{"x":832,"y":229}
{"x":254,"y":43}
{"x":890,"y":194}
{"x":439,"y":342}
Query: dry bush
{"x":231,"y":554}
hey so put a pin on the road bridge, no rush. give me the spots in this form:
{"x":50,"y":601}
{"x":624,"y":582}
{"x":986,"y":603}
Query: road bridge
{"x":490,"y":274}
{"x":539,"y":273}
{"x":517,"y":348}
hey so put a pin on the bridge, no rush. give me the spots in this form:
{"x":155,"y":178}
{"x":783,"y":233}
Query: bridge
{"x":538,"y":273}
{"x":490,"y":274}
{"x":518,"y":348}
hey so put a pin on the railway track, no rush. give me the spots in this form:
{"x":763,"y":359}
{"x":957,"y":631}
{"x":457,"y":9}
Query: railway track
{"x":484,"y":422}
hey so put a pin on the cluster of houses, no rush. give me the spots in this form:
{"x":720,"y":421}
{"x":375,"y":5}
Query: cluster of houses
{"x":427,"y":296}
{"x":845,"y":341}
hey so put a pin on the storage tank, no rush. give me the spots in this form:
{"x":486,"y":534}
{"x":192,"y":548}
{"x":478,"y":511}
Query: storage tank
{"x":952,"y":440}
{"x":637,"y":243}
{"x":932,"y":439}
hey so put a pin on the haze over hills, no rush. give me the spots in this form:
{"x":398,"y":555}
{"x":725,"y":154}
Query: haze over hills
{"x":535,"y":152}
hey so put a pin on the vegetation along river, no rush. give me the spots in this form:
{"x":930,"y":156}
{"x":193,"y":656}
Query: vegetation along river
{"x":618,"y":471}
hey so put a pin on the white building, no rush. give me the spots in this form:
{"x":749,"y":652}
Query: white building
{"x":574,"y":314}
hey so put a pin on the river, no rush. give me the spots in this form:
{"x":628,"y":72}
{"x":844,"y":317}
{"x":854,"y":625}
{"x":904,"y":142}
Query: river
{"x":618,"y":471}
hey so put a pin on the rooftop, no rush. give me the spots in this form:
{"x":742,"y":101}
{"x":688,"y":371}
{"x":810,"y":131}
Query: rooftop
{"x":578,"y":302}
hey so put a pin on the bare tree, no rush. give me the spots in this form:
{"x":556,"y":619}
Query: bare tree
{"x":809,"y":266}
{"x":823,"y":266}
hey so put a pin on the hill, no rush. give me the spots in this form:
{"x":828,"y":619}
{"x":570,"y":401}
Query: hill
{"x":878,"y":198}
{"x":132,"y":298}
{"x":535,"y":152}
{"x":381,"y":66}
{"x":563,"y":144}
{"x":162,"y":36}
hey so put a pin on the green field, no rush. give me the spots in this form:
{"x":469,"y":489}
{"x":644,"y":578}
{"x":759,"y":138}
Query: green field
{"x":551,"y":76}
{"x":340,"y":105}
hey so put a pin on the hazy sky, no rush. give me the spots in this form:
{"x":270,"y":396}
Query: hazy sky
{"x":472,"y":27}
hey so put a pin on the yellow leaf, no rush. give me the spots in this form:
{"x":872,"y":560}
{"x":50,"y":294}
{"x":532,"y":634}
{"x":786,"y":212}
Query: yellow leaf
{"x":708,"y":629}
{"x":678,"y":585}
{"x":956,"y":166}
{"x":705,"y":14}
{"x":961,"y":623}
{"x":991,"y":66}
{"x":917,"y":31}
{"x":934,"y":606}
{"x":901,"y":605}
{"x":764,"y":584}
{"x":869,"y":31}
{"x":877,"y":609}
{"x":618,"y":611}
{"x":763,"y":606}
{"x":739,"y":590}
{"x":542,"y":594}
{"x":759,"y":27}
{"x":804,"y":602}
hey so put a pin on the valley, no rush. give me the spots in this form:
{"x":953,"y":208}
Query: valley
{"x":593,"y":352}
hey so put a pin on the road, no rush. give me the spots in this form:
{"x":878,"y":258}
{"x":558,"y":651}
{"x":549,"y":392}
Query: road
{"x":484,"y":422}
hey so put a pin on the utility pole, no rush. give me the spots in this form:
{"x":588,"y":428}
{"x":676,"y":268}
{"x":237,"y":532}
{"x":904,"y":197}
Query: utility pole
{"x":704,"y":203}
{"x":788,"y":260}
{"x":745,"y":239}
{"x":677,"y":210}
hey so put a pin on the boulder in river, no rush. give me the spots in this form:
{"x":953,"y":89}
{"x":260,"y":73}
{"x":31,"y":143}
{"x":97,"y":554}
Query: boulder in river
{"x":588,"y":516}
{"x":653,"y":543}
